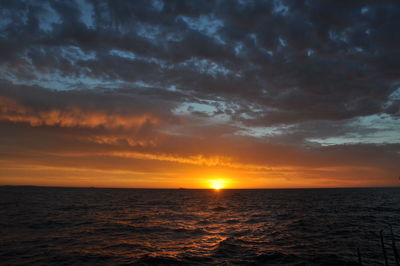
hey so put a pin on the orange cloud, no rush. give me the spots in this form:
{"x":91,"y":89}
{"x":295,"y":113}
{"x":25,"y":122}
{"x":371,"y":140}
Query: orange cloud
{"x":112,"y":140}
{"x":72,"y":116}
{"x":201,"y":160}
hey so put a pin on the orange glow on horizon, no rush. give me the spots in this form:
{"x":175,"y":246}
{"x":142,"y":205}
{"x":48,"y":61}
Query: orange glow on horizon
{"x":176,"y":174}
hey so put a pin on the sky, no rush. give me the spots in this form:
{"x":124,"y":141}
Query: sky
{"x":167,"y":94}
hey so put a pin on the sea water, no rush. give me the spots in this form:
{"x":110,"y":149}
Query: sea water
{"x":86,"y":226}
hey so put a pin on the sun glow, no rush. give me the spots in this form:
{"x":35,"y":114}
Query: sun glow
{"x":217,"y":184}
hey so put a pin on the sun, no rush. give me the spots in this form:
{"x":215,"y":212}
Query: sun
{"x":217,"y":184}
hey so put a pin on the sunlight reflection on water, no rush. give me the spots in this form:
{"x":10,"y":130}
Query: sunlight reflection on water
{"x":89,"y":226}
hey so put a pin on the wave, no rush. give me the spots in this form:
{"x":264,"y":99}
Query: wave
{"x":117,"y":227}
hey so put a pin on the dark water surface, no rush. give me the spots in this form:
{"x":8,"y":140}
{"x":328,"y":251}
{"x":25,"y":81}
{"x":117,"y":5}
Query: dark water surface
{"x":83,"y":226}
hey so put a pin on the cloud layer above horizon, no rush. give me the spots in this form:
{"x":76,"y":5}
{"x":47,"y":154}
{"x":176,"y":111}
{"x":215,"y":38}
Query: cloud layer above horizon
{"x":162,"y":93}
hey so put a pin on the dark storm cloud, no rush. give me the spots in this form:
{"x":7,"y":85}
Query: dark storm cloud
{"x":295,"y":61}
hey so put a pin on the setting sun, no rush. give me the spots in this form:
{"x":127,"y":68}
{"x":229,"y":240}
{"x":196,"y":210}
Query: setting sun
{"x":218,"y":183}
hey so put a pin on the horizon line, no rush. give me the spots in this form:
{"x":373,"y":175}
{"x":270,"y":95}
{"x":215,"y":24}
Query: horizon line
{"x":184,"y":188}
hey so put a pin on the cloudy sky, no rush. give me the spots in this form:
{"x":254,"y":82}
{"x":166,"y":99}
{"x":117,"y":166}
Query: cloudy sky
{"x":173,"y":93}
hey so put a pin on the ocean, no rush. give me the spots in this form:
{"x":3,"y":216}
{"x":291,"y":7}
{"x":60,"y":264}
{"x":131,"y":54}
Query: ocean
{"x":96,"y":226}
